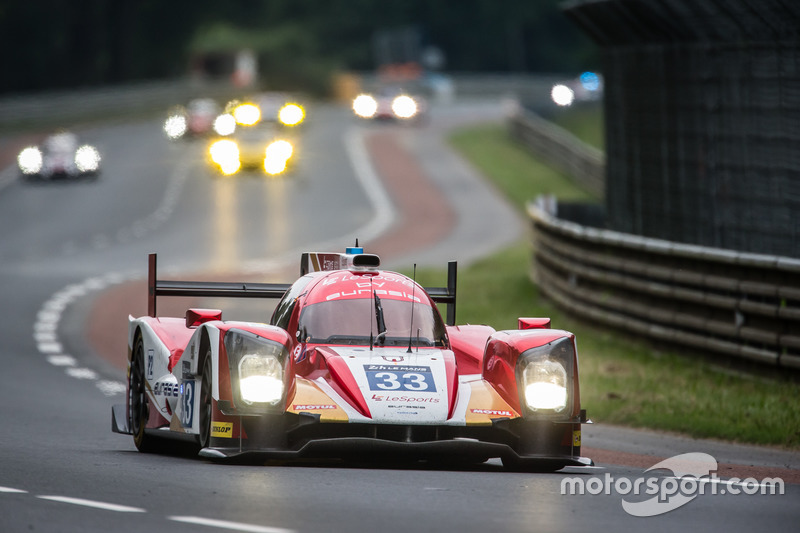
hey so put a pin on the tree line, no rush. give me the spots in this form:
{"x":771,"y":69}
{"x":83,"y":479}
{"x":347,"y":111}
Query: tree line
{"x":59,"y":44}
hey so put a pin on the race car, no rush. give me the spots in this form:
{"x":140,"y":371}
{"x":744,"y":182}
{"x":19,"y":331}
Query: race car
{"x":355,"y":361}
{"x":280,"y":108}
{"x":196,"y":119}
{"x":60,"y":155}
{"x":260,"y":147}
{"x":390,"y":103}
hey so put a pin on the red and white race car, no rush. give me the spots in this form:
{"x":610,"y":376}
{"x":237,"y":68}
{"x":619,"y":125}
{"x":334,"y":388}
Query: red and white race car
{"x":355,"y":361}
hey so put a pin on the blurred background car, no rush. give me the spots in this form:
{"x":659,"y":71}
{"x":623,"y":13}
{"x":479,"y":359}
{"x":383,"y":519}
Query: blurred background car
{"x":196,"y":119}
{"x":60,"y":155}
{"x":390,"y":103}
{"x":259,"y":147}
{"x":280,"y":107}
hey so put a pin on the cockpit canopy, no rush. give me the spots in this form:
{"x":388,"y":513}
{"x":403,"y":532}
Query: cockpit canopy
{"x":355,"y":321}
{"x":351,"y":307}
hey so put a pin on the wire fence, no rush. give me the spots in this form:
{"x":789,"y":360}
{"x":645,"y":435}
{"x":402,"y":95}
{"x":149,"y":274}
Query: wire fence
{"x":703,"y":106}
{"x":709,"y":299}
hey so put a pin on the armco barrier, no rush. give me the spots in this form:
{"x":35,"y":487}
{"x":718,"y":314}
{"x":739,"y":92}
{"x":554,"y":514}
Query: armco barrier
{"x":738,"y":304}
{"x":584,"y":163}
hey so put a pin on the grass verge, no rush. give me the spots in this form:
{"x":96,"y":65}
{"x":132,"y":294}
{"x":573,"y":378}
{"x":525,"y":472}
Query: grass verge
{"x":585,"y":121}
{"x":624,"y":381}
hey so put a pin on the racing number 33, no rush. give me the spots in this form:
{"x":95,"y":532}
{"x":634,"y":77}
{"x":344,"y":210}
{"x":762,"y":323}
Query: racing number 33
{"x":414,"y":379}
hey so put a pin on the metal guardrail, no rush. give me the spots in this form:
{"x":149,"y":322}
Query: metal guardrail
{"x":558,"y":147}
{"x":737,"y":304}
{"x":709,"y":299}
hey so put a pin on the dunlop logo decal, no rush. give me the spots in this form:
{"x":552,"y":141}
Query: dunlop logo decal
{"x":222,"y":429}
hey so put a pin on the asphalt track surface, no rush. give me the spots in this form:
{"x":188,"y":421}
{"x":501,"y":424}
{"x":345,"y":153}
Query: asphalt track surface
{"x":74,"y":253}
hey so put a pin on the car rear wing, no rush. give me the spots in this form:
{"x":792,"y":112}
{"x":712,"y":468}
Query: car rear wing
{"x":216,"y":289}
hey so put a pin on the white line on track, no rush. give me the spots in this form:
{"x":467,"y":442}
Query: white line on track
{"x":45,"y":330}
{"x":224,"y":524}
{"x":9,"y":490}
{"x":196,"y":520}
{"x":49,"y":316}
{"x":93,"y":504}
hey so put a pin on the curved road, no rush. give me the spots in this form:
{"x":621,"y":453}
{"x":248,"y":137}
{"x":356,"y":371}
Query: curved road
{"x":71,"y":249}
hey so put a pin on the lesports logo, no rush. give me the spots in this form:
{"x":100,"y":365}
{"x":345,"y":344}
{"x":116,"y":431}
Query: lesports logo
{"x":693,"y":474}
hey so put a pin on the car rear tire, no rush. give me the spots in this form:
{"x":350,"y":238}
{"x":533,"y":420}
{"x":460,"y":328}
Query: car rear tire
{"x":138,"y":404}
{"x":204,"y":437}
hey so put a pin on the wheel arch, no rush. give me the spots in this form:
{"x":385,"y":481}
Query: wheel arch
{"x":209,"y":346}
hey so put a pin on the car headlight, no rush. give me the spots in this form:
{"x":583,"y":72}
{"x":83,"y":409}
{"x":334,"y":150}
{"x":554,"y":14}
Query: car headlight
{"x":544,"y":377}
{"x":291,"y":115}
{"x":276,"y":156}
{"x":404,"y":106}
{"x":225,"y":153}
{"x":247,"y":114}
{"x":30,"y":160}
{"x":87,"y":158}
{"x":225,"y":124}
{"x":279,"y":150}
{"x":175,"y":126}
{"x":260,"y":379}
{"x":365,"y":106}
{"x":259,"y":367}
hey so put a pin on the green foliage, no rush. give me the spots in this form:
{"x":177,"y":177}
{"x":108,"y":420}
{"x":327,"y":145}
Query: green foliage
{"x":585,"y":121}
{"x":512,"y":168}
{"x":73,"y":44}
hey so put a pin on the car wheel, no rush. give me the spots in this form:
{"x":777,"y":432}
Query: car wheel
{"x":138,"y":404}
{"x":205,"y":403}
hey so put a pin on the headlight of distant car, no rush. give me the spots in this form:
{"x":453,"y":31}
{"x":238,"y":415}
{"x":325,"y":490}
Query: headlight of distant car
{"x":562,"y":95}
{"x":247,"y":114}
{"x":276,"y":157}
{"x":404,"y":106}
{"x":225,"y":124}
{"x":87,"y":158}
{"x":365,"y":106}
{"x":30,"y":160}
{"x":258,"y":365}
{"x":225,"y":153}
{"x":291,"y":115}
{"x":544,"y":376}
{"x":175,"y":126}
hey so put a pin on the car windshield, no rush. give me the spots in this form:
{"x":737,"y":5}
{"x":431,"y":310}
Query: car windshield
{"x":352,"y":321}
{"x":61,"y":143}
{"x":255,"y":134}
